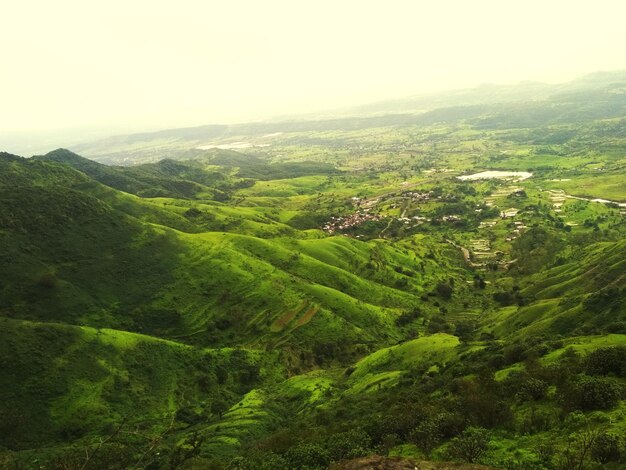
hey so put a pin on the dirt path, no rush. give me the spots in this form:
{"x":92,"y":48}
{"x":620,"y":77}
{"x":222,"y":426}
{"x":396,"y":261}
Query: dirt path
{"x":466,"y":255}
{"x":380,"y":235}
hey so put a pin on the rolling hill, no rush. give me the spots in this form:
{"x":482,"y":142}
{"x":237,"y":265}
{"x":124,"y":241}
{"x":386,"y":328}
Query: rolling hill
{"x":330,"y":292}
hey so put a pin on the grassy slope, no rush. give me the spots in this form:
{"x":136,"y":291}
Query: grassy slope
{"x":76,"y":252}
{"x":91,"y":255}
{"x":76,"y":381}
{"x":387,"y":365}
{"x":166,"y":178}
{"x":585,"y":295}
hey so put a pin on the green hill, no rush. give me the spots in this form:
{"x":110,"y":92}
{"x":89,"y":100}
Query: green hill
{"x":80,"y":381}
{"x":82,"y":262}
{"x":164,"y":179}
{"x":330,"y":292}
{"x":80,"y":253}
{"x":586,"y":295}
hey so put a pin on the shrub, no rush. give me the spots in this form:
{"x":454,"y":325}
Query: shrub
{"x":438,"y":324}
{"x":407,"y":317}
{"x":514,"y":353}
{"x":347,"y":445}
{"x":193,"y":212}
{"x":465,"y":330}
{"x":47,"y":281}
{"x":533,"y":389}
{"x":483,"y":402}
{"x":607,"y":361}
{"x":504,"y":298}
{"x":305,"y":455}
{"x":536,"y":420}
{"x":444,"y":290}
{"x":431,"y":432}
{"x":606,"y":449}
{"x":588,"y":393}
{"x":605,"y":299}
{"x":187,"y":415}
{"x":470,"y":445}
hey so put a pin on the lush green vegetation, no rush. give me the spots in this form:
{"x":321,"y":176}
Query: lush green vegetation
{"x":330,"y":292}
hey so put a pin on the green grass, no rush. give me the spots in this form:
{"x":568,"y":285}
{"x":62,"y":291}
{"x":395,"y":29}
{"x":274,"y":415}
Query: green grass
{"x":88,"y":379}
{"x":371,"y":382}
{"x":305,"y":185}
{"x":425,"y":351}
{"x":582,"y":295}
{"x":309,"y":389}
{"x":203,"y":288}
{"x":598,"y":185}
{"x":586,"y":344}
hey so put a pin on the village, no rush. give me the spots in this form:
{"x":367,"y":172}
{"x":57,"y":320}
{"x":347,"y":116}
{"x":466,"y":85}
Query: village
{"x":405,"y":208}
{"x":365,"y":211}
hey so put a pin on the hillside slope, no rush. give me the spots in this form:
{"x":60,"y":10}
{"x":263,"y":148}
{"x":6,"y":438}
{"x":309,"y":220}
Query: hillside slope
{"x":586,"y":295}
{"x":61,"y":383}
{"x":88,"y":259}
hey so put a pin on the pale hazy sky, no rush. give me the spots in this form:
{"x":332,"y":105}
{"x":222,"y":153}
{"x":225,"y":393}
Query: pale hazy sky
{"x":154,"y":64}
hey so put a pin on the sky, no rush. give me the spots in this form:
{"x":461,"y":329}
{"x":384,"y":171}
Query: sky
{"x":150,"y":64}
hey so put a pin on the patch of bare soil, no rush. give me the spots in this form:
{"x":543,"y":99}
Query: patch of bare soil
{"x":376,"y":462}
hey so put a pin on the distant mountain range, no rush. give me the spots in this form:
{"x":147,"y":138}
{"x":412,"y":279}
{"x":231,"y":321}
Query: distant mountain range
{"x":528,"y":104}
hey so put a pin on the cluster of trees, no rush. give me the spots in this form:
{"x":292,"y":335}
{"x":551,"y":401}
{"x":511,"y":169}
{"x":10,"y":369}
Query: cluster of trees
{"x":310,"y":454}
{"x":460,"y":412}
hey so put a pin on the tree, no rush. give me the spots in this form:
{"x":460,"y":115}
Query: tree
{"x":470,"y":445}
{"x":465,"y":330}
{"x":533,"y":389}
{"x":579,"y":446}
{"x":349,"y":444}
{"x":607,"y":361}
{"x":47,"y":281}
{"x":482,"y":400}
{"x":444,"y":290}
{"x":188,"y":449}
{"x":605,"y":449}
{"x":308,"y":455}
{"x":435,"y":429}
{"x":588,"y":393}
{"x":536,"y":248}
{"x":479,"y":282}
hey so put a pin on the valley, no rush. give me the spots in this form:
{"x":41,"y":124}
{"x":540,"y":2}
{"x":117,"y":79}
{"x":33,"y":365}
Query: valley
{"x":296,"y":294}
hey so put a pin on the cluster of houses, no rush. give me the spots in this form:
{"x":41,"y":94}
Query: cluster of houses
{"x":418,"y":196}
{"x":487,"y":223}
{"x":414,"y":196}
{"x":363,"y":206}
{"x":517,"y":226}
{"x":416,"y":218}
{"x":557,"y":197}
{"x":343,"y":223}
{"x":518,"y":229}
{"x":509,"y":213}
{"x":481,"y":250}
